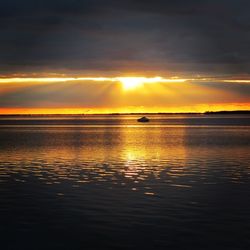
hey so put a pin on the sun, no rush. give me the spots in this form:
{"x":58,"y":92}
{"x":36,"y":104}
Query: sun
{"x":129,"y":83}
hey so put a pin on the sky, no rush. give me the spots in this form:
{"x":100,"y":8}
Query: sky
{"x":203,"y":43}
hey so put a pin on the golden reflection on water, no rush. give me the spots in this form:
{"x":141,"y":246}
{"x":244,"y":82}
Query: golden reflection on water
{"x":119,"y":155}
{"x":145,"y":151}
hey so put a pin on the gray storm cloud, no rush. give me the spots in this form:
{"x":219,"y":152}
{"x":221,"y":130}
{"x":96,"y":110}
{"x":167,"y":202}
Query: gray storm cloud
{"x":207,"y":36}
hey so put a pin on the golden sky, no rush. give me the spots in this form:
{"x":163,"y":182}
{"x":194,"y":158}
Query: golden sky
{"x":97,"y":94}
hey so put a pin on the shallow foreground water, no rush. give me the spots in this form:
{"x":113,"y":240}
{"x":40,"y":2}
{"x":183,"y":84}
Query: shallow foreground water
{"x":109,"y":182}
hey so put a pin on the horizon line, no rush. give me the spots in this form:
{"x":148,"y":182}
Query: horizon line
{"x":133,"y":113}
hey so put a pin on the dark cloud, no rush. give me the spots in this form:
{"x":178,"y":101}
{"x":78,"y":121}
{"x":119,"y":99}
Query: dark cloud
{"x":195,"y":36}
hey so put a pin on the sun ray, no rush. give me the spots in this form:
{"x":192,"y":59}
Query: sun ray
{"x":128,"y":83}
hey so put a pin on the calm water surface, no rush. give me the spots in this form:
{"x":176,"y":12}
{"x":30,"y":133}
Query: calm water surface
{"x":108,"y":182}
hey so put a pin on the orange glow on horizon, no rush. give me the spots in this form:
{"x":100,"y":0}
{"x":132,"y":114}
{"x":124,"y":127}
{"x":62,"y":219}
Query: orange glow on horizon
{"x":129,"y":94}
{"x":79,"y":111}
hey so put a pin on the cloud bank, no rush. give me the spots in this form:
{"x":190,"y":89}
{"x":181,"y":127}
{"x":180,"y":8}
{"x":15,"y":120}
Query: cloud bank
{"x":192,"y":37}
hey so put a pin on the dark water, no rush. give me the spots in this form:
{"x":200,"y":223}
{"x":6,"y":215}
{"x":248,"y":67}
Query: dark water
{"x":108,"y":182}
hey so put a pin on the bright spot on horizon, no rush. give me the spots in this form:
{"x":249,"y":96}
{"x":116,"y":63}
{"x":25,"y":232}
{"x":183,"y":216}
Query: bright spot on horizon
{"x":130,"y":83}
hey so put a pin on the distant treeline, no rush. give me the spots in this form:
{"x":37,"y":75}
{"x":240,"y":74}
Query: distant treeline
{"x":240,"y":112}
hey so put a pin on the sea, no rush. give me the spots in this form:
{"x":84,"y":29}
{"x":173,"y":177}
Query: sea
{"x":110,"y":182}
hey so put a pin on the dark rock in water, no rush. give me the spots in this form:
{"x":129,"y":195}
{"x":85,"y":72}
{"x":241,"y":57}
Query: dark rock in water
{"x":143,"y":119}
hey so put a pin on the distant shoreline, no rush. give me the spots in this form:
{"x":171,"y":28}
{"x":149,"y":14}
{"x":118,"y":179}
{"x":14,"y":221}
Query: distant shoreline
{"x":235,"y":112}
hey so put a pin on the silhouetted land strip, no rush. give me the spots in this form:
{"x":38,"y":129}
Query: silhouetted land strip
{"x":240,"y":112}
